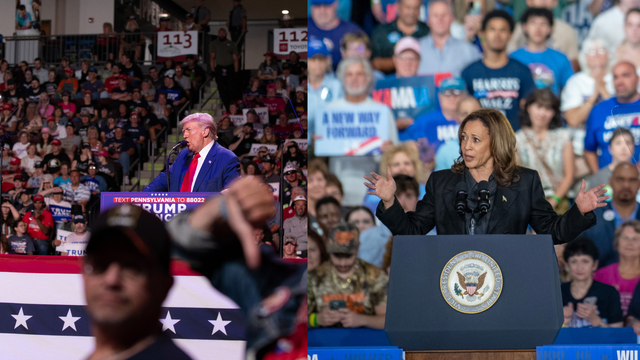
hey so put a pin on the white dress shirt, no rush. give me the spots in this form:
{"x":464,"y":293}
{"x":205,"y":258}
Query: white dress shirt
{"x":203,"y":155}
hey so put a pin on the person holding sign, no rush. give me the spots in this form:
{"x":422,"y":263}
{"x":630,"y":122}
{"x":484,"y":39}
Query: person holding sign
{"x":512,"y":201}
{"x":77,"y":242}
{"x":205,"y":166}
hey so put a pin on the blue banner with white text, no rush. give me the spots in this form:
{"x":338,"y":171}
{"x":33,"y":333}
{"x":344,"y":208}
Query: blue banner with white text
{"x":163,"y":205}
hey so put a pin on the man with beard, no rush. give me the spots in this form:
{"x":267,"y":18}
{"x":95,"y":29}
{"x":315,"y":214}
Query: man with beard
{"x":291,"y":175}
{"x":346,"y":291}
{"x":126,"y":278}
{"x":288,"y":211}
{"x":297,"y":225}
{"x":625,"y":183}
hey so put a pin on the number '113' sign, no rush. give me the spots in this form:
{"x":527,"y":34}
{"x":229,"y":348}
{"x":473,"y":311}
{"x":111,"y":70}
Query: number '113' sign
{"x":177,"y":43}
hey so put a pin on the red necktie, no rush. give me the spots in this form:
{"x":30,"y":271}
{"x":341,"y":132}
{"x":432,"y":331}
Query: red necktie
{"x":188,"y":177}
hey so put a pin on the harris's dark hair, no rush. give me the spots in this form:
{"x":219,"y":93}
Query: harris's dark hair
{"x":327,"y":200}
{"x":498,"y":14}
{"x":581,"y":246}
{"x":537,"y":12}
{"x":546,"y":98}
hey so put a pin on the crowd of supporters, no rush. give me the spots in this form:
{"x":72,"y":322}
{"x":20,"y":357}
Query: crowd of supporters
{"x":565,"y":77}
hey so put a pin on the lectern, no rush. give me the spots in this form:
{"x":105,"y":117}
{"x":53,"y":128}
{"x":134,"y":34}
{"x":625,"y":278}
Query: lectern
{"x":473,"y":294}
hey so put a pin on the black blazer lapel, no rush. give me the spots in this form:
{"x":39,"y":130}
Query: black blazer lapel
{"x":449,"y":198}
{"x":504,"y":199}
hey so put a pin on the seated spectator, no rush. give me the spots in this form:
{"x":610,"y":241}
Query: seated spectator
{"x":621,"y":148}
{"x":289,"y":248}
{"x":15,"y":192}
{"x":549,"y":67}
{"x":296,"y":226}
{"x":448,"y":152}
{"x":162,"y":109}
{"x":20,"y":147}
{"x":69,"y":84}
{"x":176,"y":96}
{"x":105,"y":166}
{"x":57,"y":131}
{"x":299,"y":102}
{"x":282,"y":123}
{"x":9,"y":216}
{"x":563,"y":38}
{"x":596,"y":149}
{"x":291,"y":176}
{"x":26,"y":83}
{"x":121,"y":149}
{"x":43,"y":147}
{"x":155,"y":78}
{"x":322,"y":86}
{"x":372,"y":238}
{"x":385,"y":36}
{"x":268,"y":69}
{"x":242,"y":143}
{"x":106,"y":72}
{"x":225,"y":131}
{"x":13,"y":174}
{"x":294,"y":156}
{"x":545,"y":146}
{"x":150,"y":121}
{"x":35,"y":180}
{"x":327,"y":214}
{"x":94,"y":141}
{"x":20,"y":243}
{"x":59,"y":208}
{"x":624,"y":274}
{"x":403,"y":159}
{"x":24,"y":204}
{"x":609,"y":25}
{"x":8,"y":121}
{"x":317,"y":188}
{"x":95,"y":86}
{"x":317,"y":252}
{"x":623,"y":207}
{"x":34,"y":92}
{"x":482,"y":76}
{"x":6,"y":157}
{"x":182,"y":80}
{"x":60,"y":117}
{"x":75,"y":192}
{"x":281,"y":89}
{"x":252,"y":94}
{"x":587,"y":302}
{"x":147,"y":91}
{"x":136,"y":131}
{"x":81,"y":163}
{"x":628,"y":49}
{"x":251,"y":168}
{"x":75,"y":243}
{"x":53,"y":160}
{"x":268,"y":163}
{"x":28,"y":163}
{"x":407,"y":191}
{"x":168,"y":67}
{"x":83,"y":74}
{"x":32,"y":122}
{"x":64,"y":177}
{"x":70,"y":143}
{"x":45,"y":109}
{"x":113,"y":82}
{"x":358,"y":45}
{"x":268,"y":137}
{"x":122,"y":115}
{"x":334,"y":188}
{"x":273,"y":102}
{"x":131,"y":70}
{"x":291,"y":81}
{"x":440,"y":125}
{"x":51,"y":86}
{"x":109,"y":130}
{"x":13,"y":93}
{"x":39,"y":223}
{"x":68,"y":108}
{"x":297,"y":67}
{"x":122,"y":93}
{"x":96,"y":183}
{"x":590,"y":86}
{"x":346,"y":290}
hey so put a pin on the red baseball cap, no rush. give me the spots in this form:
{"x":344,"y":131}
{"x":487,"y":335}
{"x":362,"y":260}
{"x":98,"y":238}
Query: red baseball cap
{"x":56,"y":142}
{"x":38,"y":197}
{"x":15,"y":161}
{"x":68,"y":70}
{"x":87,"y":92}
{"x":134,"y":113}
{"x":50,"y":118}
{"x":123,"y":77}
{"x":103,"y":153}
{"x":269,"y":53}
{"x":6,"y":107}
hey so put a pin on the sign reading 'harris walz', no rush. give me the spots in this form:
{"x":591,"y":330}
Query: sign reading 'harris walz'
{"x":163,"y":205}
{"x":407,"y":97}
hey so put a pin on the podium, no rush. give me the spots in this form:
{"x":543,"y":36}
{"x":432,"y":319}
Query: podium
{"x":522,"y":310}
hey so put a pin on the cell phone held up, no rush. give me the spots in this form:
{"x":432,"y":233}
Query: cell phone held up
{"x":475,"y":8}
{"x":337,"y":304}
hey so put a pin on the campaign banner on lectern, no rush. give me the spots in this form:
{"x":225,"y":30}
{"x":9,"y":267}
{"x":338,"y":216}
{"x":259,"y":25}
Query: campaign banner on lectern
{"x":351,"y":130}
{"x":407,"y":97}
{"x":163,"y":205}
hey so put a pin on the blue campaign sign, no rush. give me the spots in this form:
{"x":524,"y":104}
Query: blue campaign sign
{"x":588,"y":352}
{"x":351,"y":129}
{"x":60,"y":213}
{"x":407,"y":97}
{"x":365,"y":352}
{"x":163,"y":205}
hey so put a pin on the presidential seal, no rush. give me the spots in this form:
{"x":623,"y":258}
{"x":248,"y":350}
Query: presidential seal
{"x":471,"y":282}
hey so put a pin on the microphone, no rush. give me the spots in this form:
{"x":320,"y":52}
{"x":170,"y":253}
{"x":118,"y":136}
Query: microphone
{"x":462,"y":191}
{"x":180,"y":144}
{"x":483,"y":193}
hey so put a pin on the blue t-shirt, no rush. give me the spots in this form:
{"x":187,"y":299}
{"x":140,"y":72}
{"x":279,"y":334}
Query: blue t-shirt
{"x":550,"y":68}
{"x":500,"y":89}
{"x":603,"y":120}
{"x":433,"y":126}
{"x":332,"y":37}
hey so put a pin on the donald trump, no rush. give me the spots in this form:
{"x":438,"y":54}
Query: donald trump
{"x":204,"y":166}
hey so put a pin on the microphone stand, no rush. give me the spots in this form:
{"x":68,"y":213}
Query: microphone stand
{"x":177,"y":146}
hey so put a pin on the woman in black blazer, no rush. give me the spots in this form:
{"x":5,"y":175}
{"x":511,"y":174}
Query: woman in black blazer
{"x":487,"y":153}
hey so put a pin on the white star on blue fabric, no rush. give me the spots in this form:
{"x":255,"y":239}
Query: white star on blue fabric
{"x":219,"y":325}
{"x":69,"y":321}
{"x":21,"y":319}
{"x":168,"y":323}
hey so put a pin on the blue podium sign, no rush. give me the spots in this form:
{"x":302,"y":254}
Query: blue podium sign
{"x":371,"y":352}
{"x":163,"y":205}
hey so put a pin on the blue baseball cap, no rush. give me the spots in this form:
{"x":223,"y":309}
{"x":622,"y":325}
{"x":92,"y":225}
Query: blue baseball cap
{"x":79,"y":219}
{"x":453,"y":83}
{"x":322,"y":2}
{"x":317,"y":47}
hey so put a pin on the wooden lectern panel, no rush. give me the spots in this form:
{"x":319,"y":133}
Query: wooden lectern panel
{"x":471,"y":355}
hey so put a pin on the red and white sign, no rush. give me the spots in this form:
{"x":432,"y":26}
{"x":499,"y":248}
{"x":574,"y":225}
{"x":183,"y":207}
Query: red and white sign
{"x":177,"y":43}
{"x":288,"y":40}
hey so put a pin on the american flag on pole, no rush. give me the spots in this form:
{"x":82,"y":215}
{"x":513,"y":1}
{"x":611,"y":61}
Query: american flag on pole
{"x":42,"y":314}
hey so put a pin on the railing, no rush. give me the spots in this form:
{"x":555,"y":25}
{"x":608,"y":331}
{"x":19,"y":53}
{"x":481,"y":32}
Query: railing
{"x":202,"y":102}
{"x":125,"y":174}
{"x":96,"y":48}
{"x":152,"y":155}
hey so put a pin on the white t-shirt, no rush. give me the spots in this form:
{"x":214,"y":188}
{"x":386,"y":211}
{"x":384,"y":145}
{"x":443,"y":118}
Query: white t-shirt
{"x":20,"y":149}
{"x":609,"y":27}
{"x":578,"y":89}
{"x":75,"y":244}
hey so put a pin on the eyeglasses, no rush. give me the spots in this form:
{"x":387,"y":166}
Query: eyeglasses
{"x":451,"y":92}
{"x":408,"y":58}
{"x":598,"y":50}
{"x":129,"y":270}
{"x":290,"y":173}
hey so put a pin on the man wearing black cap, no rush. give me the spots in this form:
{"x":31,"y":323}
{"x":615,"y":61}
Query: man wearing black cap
{"x":242,"y":145}
{"x":13,"y":93}
{"x":176,"y":96}
{"x":126,"y":279}
{"x":76,"y":243}
{"x":53,"y":160}
{"x":268,"y":164}
{"x":95,"y":86}
{"x":35,"y":179}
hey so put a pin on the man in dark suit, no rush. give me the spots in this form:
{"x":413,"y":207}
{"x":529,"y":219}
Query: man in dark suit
{"x":625,"y":183}
{"x":205,"y":166}
{"x":515,"y":193}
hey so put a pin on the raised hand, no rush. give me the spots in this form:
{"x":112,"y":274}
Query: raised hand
{"x":590,"y":200}
{"x":384,"y":188}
